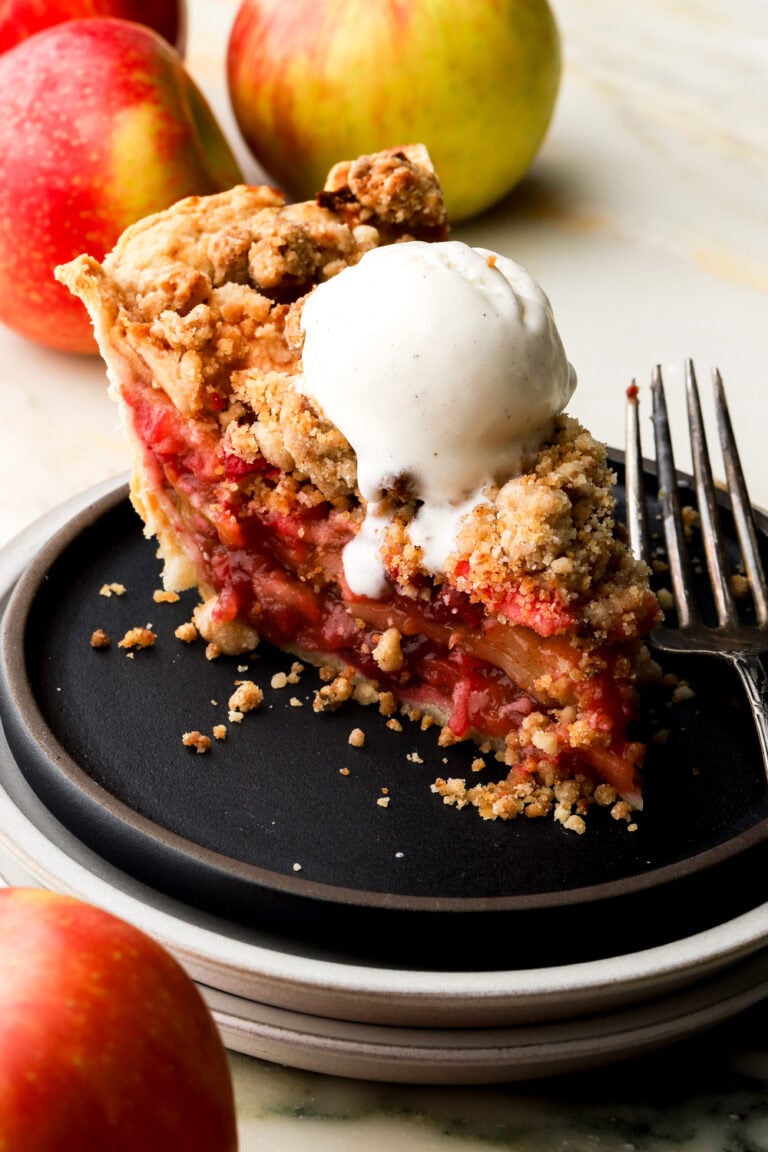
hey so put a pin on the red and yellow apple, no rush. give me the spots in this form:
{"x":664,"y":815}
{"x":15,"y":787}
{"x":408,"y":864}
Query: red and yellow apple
{"x":22,"y":18}
{"x":100,"y":125}
{"x":315,"y":81}
{"x":105,"y":1041}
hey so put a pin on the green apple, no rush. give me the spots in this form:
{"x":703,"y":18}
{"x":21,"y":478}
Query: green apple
{"x":315,"y":81}
{"x":106,"y":1044}
{"x":101,"y":125}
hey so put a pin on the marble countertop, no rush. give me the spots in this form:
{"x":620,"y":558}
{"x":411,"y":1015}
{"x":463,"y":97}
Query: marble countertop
{"x":645,"y":217}
{"x":709,"y":1095}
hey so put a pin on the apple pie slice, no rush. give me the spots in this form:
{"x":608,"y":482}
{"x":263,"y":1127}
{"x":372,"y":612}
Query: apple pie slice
{"x":348,"y":435}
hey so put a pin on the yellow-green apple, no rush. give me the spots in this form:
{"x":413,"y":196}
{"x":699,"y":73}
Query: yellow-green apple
{"x":100,"y":125}
{"x":22,"y":18}
{"x":314,"y":81}
{"x":105,"y":1042}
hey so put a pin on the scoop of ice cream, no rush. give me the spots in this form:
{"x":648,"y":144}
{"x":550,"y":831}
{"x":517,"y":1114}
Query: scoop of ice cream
{"x":442,"y":366}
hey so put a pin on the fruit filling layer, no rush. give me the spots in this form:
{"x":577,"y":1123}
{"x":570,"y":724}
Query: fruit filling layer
{"x":537,"y":695}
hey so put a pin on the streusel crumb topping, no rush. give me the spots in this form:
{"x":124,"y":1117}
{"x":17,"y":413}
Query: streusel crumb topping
{"x":207,"y":287}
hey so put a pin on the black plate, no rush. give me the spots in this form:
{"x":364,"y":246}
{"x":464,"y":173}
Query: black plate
{"x":98,"y":736}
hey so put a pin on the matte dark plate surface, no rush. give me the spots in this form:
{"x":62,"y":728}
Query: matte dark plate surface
{"x":98,"y":735}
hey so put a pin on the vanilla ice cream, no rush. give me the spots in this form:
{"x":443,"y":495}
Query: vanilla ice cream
{"x":442,"y":366}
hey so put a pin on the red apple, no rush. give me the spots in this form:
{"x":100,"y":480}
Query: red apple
{"x":105,"y":1042}
{"x":100,"y":125}
{"x":22,"y":18}
{"x":312,"y":81}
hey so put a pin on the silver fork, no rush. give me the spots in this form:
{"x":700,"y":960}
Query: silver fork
{"x":739,"y":643}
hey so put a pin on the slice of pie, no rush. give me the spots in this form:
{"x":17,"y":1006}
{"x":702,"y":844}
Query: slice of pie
{"x":330,"y":449}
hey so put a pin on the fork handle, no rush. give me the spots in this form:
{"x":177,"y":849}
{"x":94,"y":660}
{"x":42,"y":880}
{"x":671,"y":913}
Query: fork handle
{"x":755,"y":681}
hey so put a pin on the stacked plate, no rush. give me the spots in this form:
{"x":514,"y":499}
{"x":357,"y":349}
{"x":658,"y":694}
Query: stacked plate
{"x":406,"y":942}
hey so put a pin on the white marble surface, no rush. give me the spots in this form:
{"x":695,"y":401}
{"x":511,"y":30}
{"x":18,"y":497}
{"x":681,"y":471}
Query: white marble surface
{"x":645,"y":217}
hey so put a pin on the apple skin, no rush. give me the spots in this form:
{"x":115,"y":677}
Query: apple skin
{"x":314,"y":81}
{"x":22,"y":18}
{"x":101,"y":125}
{"x":105,"y":1041}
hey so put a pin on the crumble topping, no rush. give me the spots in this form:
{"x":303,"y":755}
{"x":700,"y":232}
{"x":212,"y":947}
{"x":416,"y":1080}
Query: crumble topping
{"x":388,"y":654}
{"x":206,"y":288}
{"x":196,"y":740}
{"x":138,"y":638}
{"x":330,"y":696}
{"x":113,"y":589}
{"x":230,"y":637}
{"x":187,"y":632}
{"x":246,"y":697}
{"x":389,"y":190}
{"x":161,"y":596}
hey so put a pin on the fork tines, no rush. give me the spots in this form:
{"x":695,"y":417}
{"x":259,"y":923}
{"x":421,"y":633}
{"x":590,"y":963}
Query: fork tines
{"x":671,"y":512}
{"x":740,"y":503}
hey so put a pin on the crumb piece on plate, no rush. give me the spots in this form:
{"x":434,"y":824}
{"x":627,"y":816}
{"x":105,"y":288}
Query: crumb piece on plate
{"x":187,"y":632}
{"x":161,"y":596}
{"x":365,"y":693}
{"x":138,"y":638}
{"x":246,"y":697}
{"x":331,"y":696}
{"x":357,"y":738}
{"x":196,"y":740}
{"x":621,"y":810}
{"x":113,"y":589}
{"x":387,"y":703}
{"x":99,"y":639}
{"x":605,"y":795}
